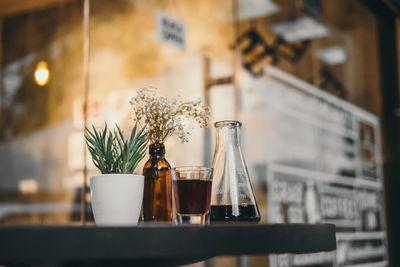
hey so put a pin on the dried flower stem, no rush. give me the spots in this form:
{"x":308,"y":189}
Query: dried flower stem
{"x":164,"y":117}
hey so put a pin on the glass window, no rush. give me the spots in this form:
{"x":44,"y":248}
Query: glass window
{"x":304,"y":77}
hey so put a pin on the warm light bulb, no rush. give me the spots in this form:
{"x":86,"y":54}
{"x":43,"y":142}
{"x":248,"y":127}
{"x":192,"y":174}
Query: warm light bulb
{"x":42,"y":73}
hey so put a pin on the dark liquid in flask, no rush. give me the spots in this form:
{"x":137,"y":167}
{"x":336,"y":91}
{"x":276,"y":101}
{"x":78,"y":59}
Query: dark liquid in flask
{"x":247,"y":213}
{"x":192,"y":196}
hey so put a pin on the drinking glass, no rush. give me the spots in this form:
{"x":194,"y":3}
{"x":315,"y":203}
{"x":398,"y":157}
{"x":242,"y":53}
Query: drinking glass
{"x":192,"y":193}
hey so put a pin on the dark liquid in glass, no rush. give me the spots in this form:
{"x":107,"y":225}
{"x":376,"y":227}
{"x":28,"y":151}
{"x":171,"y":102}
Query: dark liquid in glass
{"x":247,"y":213}
{"x":192,"y":196}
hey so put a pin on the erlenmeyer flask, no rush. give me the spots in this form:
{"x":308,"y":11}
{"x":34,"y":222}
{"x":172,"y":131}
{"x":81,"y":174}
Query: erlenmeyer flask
{"x":232,"y":197}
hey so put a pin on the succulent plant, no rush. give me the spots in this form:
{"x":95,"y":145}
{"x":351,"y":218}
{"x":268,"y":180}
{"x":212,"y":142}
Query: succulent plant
{"x":112,"y":152}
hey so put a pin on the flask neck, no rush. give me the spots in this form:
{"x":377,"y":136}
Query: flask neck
{"x":228,"y":135}
{"x":157,"y":150}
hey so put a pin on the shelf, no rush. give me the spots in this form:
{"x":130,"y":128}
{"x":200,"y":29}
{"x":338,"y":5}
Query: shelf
{"x":157,"y":245}
{"x":361,"y":236}
{"x":328,"y":178}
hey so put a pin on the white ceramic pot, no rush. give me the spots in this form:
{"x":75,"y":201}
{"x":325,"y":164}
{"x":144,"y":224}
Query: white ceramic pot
{"x":116,"y":198}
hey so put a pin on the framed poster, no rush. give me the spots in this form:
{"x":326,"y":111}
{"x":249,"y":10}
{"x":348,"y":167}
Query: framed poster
{"x":322,"y":164}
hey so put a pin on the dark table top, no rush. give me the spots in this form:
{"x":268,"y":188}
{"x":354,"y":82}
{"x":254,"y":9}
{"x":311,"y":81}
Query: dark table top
{"x":155,"y":244}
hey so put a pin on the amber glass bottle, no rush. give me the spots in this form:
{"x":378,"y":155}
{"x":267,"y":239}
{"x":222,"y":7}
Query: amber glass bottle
{"x":157,"y":197}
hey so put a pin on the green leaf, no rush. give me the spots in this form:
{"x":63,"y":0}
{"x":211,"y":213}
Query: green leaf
{"x":112,"y":152}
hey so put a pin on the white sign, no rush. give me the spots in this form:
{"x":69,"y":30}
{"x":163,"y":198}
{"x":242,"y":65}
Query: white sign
{"x":95,"y":112}
{"x":170,"y":30}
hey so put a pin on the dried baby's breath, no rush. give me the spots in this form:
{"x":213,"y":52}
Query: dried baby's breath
{"x":164,"y":116}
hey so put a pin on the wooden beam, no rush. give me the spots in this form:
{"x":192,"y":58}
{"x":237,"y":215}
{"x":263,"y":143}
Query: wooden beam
{"x":10,"y":7}
{"x":207,"y":150}
{"x":391,"y":130}
{"x":397,"y":31}
{"x":383,"y":9}
{"x":219,"y":81}
{"x":1,"y":70}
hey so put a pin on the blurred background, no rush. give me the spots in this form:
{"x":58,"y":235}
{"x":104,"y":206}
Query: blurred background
{"x":315,"y":83}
